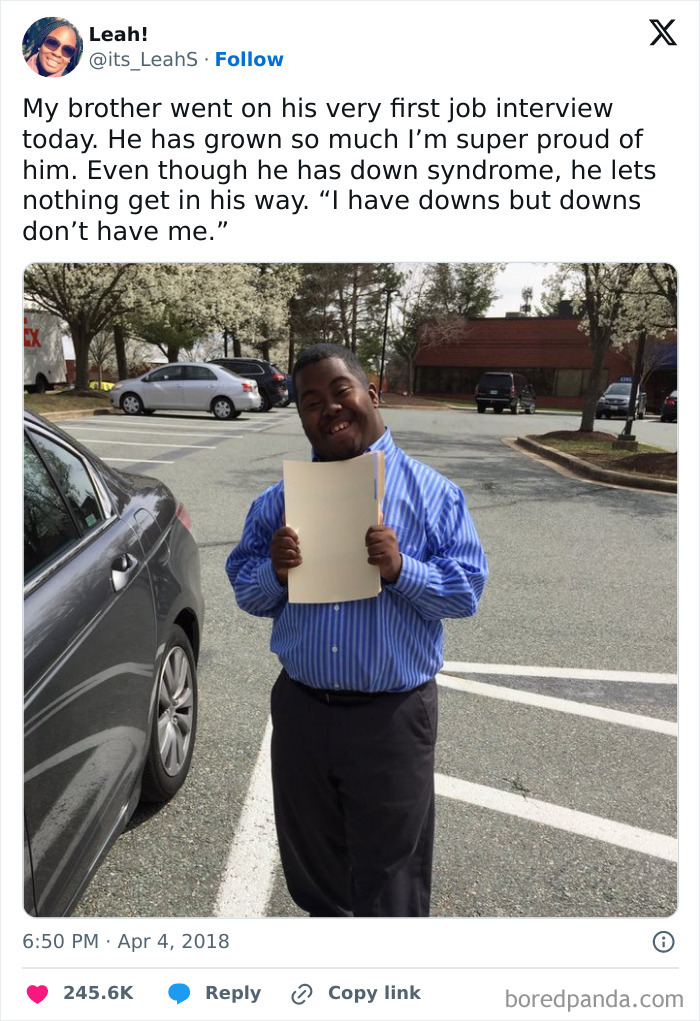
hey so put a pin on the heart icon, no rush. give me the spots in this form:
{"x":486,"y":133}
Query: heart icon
{"x":37,"y":993}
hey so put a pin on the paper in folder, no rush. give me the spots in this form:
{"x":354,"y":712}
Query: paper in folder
{"x":330,"y":505}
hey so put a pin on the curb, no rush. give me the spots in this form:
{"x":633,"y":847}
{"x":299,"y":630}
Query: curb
{"x":630,"y":480}
{"x":60,"y":416}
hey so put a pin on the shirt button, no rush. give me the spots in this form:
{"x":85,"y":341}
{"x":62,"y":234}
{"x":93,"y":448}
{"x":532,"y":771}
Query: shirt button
{"x":334,"y":649}
{"x":337,"y":687}
{"x":336,"y":607}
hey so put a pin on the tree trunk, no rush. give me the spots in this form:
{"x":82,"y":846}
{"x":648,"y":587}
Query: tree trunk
{"x":120,"y":350}
{"x":411,"y":376}
{"x":600,"y":347}
{"x":81,"y":345}
{"x":237,"y":353}
{"x":172,"y":351}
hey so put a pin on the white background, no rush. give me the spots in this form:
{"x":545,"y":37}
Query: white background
{"x":353,"y":51}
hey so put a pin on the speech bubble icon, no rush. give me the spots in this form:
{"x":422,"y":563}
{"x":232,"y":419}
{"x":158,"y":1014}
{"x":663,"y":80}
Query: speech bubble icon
{"x":179,"y":992}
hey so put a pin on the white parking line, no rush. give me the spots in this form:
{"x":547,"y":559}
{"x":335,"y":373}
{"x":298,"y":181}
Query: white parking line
{"x":138,"y":443}
{"x":247,"y":880}
{"x":163,"y":432}
{"x":581,"y":823}
{"x":560,"y":705}
{"x":562,"y":673}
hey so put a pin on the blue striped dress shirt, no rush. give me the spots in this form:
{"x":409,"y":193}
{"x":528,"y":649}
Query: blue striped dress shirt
{"x":393,"y":642}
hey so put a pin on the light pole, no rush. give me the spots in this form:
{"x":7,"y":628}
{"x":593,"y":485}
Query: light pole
{"x":626,"y":437}
{"x":386,"y":325}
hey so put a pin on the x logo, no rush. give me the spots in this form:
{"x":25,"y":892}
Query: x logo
{"x":663,"y":32}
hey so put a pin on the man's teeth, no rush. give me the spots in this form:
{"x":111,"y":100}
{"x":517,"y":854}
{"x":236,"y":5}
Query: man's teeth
{"x":339,"y":428}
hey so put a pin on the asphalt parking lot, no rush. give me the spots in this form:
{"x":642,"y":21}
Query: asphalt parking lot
{"x":556,"y":766}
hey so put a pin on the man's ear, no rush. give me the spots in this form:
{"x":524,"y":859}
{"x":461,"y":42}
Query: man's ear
{"x":372,"y":390}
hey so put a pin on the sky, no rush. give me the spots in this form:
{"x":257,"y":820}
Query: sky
{"x":510,"y":283}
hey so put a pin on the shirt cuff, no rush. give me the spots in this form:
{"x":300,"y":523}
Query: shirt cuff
{"x":413,"y":578}
{"x":269,"y":583}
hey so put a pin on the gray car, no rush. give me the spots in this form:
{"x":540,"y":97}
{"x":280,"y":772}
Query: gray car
{"x":113,"y":614}
{"x":615,"y":402}
{"x":187,"y":386}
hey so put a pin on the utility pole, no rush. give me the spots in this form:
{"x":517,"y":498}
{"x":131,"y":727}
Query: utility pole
{"x":386,"y":325}
{"x":626,"y":437}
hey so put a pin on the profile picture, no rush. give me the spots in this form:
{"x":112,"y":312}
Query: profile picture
{"x":52,"y":47}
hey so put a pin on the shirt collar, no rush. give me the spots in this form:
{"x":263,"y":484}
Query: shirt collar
{"x":385,"y":443}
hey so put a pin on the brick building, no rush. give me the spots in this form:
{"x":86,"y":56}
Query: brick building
{"x":554,"y":354}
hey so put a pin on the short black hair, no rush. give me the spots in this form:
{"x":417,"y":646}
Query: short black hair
{"x":320,"y":352}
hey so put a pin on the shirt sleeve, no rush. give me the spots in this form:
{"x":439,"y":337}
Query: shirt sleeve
{"x":449,"y":580}
{"x":249,"y":565}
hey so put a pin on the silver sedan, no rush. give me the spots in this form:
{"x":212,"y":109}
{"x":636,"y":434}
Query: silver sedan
{"x":187,"y":386}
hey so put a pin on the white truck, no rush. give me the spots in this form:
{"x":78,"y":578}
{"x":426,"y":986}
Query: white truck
{"x":44,"y":362}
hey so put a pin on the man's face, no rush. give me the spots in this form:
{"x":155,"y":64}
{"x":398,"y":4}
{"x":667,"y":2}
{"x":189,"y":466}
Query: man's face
{"x":53,"y":58}
{"x":339,"y":413}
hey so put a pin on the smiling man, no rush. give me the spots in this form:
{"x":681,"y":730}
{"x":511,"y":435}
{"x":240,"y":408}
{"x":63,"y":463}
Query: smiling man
{"x":354,"y":709}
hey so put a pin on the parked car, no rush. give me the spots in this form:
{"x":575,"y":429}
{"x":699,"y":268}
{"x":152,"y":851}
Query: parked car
{"x":669,"y":408}
{"x":291,"y":391}
{"x":113,"y":614}
{"x":271,"y":382}
{"x":616,"y":401}
{"x":499,"y":390}
{"x":186,"y":386}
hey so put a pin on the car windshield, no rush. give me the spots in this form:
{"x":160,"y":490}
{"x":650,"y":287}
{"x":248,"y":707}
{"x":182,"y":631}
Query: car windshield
{"x":619,"y":388}
{"x":496,"y":379}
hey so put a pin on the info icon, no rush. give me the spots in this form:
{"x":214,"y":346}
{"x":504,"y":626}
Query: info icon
{"x":663,"y":942}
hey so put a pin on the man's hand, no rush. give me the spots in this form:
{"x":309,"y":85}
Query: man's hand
{"x":285,"y":552}
{"x":383,"y":551}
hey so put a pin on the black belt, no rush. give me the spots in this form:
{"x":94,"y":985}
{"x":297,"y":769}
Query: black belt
{"x":352,"y":697}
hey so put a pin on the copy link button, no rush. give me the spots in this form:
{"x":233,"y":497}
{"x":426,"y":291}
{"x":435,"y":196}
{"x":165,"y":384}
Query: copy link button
{"x":301,"y":994}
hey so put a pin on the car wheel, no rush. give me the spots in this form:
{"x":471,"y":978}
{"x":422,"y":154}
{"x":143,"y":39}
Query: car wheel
{"x":481,"y":409}
{"x":131,"y":404}
{"x":640,"y":415}
{"x":515,"y":408}
{"x":530,"y":410}
{"x":223,"y":409}
{"x":265,"y":404}
{"x":175,"y":721}
{"x":598,"y":414}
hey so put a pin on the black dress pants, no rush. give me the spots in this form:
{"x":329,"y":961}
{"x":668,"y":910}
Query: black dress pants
{"x":353,"y":781}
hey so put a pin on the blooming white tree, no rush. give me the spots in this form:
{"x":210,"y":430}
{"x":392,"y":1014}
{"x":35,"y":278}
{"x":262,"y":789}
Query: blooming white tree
{"x":618,"y":304}
{"x":88,"y":297}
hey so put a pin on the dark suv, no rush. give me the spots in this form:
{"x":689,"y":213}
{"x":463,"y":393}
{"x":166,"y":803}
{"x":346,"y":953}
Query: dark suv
{"x":271,"y":382}
{"x":499,"y":390}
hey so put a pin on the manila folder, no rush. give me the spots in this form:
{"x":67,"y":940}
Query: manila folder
{"x":330,"y":505}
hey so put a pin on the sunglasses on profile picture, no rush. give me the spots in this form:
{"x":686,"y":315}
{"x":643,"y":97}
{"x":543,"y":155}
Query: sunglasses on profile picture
{"x":53,"y":44}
